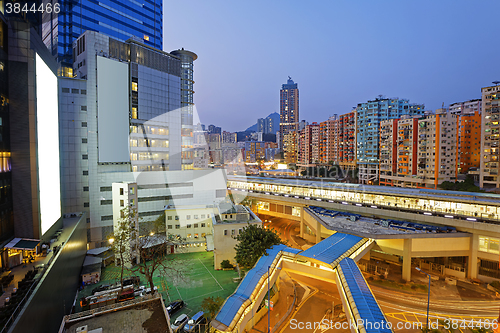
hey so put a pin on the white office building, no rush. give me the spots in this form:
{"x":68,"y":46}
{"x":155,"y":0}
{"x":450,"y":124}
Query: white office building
{"x":122,"y":121}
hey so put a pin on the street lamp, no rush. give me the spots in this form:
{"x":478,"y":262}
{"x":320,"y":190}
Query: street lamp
{"x":269,"y":301}
{"x":428,"y":296}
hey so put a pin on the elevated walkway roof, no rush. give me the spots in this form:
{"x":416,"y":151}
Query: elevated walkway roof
{"x":333,"y":248}
{"x":360,"y":297}
{"x":249,"y":283}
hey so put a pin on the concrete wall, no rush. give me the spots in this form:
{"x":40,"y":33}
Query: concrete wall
{"x":53,"y":297}
{"x":224,"y":244}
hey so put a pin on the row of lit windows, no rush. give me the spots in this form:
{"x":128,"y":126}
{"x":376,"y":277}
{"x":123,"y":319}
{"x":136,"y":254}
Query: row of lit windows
{"x":488,"y":244}
{"x":149,"y":143}
{"x":188,"y":217}
{"x":383,"y":200}
{"x":148,"y":129}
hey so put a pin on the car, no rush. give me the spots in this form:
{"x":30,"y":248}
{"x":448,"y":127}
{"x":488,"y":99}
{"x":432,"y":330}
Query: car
{"x":193,"y":323}
{"x":174,"y":307}
{"x":180,"y":322}
{"x":100,"y":288}
{"x":132,"y":280}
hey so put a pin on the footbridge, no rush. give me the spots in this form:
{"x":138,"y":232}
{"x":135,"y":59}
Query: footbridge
{"x":333,"y":259}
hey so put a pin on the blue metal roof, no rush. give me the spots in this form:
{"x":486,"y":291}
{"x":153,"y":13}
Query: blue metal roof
{"x":330,"y":249}
{"x":367,"y":306}
{"x":248,"y":284}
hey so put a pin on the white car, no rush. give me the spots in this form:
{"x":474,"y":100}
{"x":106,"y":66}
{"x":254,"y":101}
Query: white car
{"x":179,"y":323}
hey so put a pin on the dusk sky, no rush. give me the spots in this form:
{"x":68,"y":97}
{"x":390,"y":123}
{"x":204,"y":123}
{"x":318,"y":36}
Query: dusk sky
{"x":340,"y":53}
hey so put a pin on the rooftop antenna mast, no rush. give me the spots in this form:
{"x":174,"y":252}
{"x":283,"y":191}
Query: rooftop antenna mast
{"x":496,"y":83}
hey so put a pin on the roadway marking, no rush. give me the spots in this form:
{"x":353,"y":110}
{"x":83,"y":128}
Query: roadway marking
{"x":440,"y":318}
{"x":211,"y":275}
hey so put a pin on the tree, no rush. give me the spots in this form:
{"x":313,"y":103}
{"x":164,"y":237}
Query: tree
{"x":147,"y":253}
{"x":156,"y":257}
{"x":211,"y":306}
{"x":253,"y":242}
{"x":121,"y":241}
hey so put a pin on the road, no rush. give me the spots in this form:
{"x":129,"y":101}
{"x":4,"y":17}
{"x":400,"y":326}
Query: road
{"x":288,"y":230}
{"x":313,"y":312}
{"x":397,"y":306}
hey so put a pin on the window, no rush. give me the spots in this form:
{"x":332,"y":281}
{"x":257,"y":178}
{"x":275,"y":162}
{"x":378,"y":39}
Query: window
{"x":65,"y":90}
{"x":132,"y":190}
{"x":196,"y":236}
{"x":176,"y":217}
{"x":225,"y":232}
{"x":239,"y":231}
{"x":84,"y":124}
{"x":85,"y":157}
{"x":188,"y":217}
{"x":85,"y":173}
{"x":84,"y":108}
{"x":169,"y":218}
{"x":232,"y":232}
{"x":196,"y":217}
{"x":84,"y":140}
{"x":134,"y":86}
{"x":85,"y":189}
{"x":208,"y":215}
{"x":86,"y":204}
{"x":177,"y":226}
{"x":75,"y":91}
{"x":203,"y":235}
{"x":169,"y":226}
{"x":83,"y":92}
{"x":196,"y":225}
{"x":121,"y":191}
{"x":188,"y":226}
{"x":203,"y":225}
{"x":202,"y":216}
{"x":488,"y":244}
{"x":188,"y":236}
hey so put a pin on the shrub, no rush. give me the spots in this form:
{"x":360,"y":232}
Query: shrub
{"x":226,"y":264}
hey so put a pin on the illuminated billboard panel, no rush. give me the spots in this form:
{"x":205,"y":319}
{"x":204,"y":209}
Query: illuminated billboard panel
{"x":47,"y":119}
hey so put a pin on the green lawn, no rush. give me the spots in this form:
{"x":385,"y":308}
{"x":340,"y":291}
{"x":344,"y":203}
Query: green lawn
{"x":199,"y":280}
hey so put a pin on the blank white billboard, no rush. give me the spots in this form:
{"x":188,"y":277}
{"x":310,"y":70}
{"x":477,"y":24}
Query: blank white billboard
{"x":112,"y":110}
{"x":47,"y":119}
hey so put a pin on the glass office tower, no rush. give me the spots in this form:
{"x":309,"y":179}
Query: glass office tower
{"x":118,"y":19}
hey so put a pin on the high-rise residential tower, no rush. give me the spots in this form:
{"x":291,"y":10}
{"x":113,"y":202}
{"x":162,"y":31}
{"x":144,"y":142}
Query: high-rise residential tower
{"x":369,"y":116}
{"x":490,"y":137}
{"x":468,"y":134}
{"x":122,"y":20}
{"x":289,"y":108}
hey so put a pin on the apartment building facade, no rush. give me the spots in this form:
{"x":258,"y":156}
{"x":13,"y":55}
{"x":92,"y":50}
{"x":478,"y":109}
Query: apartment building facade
{"x":368,"y":118}
{"x":468,"y":134}
{"x":437,"y":147}
{"x":490,"y":138}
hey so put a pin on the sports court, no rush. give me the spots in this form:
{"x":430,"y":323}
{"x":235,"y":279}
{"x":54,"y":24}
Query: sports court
{"x":199,"y":280}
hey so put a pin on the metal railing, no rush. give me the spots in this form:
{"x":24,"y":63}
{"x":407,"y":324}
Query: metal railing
{"x":278,"y":324}
{"x":111,"y":307}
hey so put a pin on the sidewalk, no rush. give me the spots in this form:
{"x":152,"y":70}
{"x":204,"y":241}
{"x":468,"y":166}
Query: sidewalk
{"x":281,"y":307}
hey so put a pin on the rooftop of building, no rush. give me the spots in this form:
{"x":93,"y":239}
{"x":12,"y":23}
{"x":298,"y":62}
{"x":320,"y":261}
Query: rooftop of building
{"x":366,"y":226}
{"x":143,"y":314}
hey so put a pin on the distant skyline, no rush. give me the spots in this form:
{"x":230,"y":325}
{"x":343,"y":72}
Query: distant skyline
{"x":340,"y":53}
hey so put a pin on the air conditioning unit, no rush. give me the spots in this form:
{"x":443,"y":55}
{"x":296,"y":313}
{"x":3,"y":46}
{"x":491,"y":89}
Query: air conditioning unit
{"x":82,"y":329}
